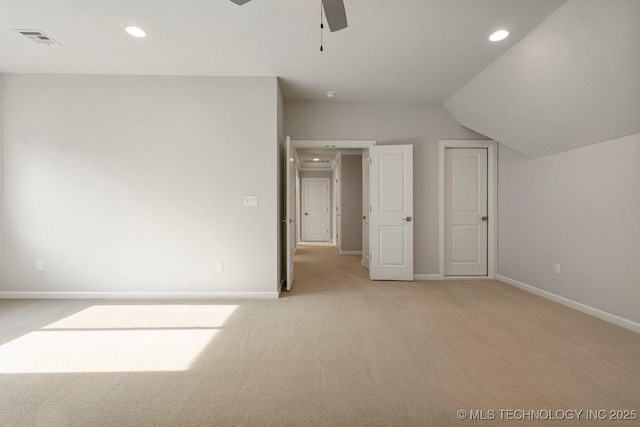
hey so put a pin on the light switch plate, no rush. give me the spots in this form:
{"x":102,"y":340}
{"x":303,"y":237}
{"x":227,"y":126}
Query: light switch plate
{"x":251,"y":200}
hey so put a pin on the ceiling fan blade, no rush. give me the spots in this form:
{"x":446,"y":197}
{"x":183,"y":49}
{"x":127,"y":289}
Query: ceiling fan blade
{"x":335,"y":13}
{"x":240,"y":2}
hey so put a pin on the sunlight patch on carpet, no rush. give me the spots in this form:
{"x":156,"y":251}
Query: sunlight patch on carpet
{"x":143,"y":338}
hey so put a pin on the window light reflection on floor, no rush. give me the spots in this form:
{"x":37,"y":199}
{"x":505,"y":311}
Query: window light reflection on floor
{"x":118,"y":338}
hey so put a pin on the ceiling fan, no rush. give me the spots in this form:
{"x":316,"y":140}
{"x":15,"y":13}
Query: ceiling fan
{"x":333,"y":10}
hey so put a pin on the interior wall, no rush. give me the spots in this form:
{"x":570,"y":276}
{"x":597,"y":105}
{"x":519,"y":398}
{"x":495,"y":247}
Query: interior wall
{"x":315,"y":174}
{"x":579,"y":209}
{"x":1,"y":175}
{"x":282,"y":188}
{"x":351,"y":194}
{"x":335,"y":175}
{"x":423,"y":126}
{"x":136,"y":183}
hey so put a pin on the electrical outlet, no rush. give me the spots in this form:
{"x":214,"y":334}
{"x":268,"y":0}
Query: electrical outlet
{"x":219,"y":266}
{"x":556,"y":268}
{"x":39,"y":266}
{"x":251,"y":200}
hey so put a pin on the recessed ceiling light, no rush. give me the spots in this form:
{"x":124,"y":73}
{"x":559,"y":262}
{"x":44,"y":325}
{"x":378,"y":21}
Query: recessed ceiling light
{"x":331,"y":94}
{"x":499,"y":35}
{"x":136,"y":31}
{"x":316,"y":160}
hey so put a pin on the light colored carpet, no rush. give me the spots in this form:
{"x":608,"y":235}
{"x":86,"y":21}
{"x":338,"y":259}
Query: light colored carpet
{"x":338,"y":350}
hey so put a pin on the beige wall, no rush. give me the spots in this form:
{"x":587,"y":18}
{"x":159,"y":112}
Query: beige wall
{"x":422,"y":126}
{"x":351,"y":194}
{"x":315,"y":174}
{"x":281,"y":253}
{"x":1,"y":175}
{"x":136,"y":184}
{"x":581,"y":209}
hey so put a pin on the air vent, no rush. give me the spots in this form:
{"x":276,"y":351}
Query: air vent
{"x":38,"y":36}
{"x":320,"y":161}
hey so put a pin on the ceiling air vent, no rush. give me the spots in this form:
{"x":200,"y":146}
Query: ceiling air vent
{"x":38,"y":36}
{"x":319,"y":161}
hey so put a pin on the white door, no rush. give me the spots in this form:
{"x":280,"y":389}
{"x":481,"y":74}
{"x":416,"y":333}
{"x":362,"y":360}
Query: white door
{"x":391,"y":212}
{"x":365,"y":209}
{"x":315,"y":219}
{"x":290,"y":211}
{"x":465,"y":211}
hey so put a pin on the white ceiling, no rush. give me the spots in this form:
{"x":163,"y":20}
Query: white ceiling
{"x":573,"y":81}
{"x":325,"y":155}
{"x":394,"y":51}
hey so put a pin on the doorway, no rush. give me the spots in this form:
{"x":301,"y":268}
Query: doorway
{"x":390,"y":200}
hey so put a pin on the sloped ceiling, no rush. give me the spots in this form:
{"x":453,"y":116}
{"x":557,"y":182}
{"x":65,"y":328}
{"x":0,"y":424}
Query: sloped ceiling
{"x":573,"y":81}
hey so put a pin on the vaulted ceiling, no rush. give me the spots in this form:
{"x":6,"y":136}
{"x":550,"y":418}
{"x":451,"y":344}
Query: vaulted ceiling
{"x":573,"y":81}
{"x":566,"y":77}
{"x":393,"y":51}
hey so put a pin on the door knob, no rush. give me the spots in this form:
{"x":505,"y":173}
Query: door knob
{"x":306,"y":213}
{"x":485,"y":218}
{"x":364,"y":217}
{"x":408,"y":219}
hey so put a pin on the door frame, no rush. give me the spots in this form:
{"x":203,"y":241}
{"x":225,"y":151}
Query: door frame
{"x":492,"y":204}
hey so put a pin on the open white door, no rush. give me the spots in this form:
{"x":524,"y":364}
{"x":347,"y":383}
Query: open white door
{"x":391,"y":212}
{"x":290,"y":225}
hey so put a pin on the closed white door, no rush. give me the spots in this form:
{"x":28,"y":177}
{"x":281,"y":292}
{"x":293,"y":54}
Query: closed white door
{"x":365,"y":209}
{"x":391,"y":212}
{"x":466,"y":220}
{"x":290,"y":213}
{"x":315,"y":218}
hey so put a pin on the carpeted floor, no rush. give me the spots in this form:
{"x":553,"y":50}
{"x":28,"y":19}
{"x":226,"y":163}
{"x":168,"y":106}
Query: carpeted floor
{"x":338,"y":350}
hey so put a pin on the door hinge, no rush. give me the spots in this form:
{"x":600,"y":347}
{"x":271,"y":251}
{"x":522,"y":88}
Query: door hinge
{"x":370,"y":209}
{"x":369,"y":160}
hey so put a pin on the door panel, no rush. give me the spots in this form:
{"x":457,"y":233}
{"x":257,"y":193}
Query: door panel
{"x":392,"y":246}
{"x":465,"y":208}
{"x":316,"y":209}
{"x":391,"y":216}
{"x":465,"y":240}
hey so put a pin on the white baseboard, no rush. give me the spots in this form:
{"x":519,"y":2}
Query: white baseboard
{"x":427,"y":277}
{"x":603,"y":315}
{"x":138,"y":295}
{"x":350,"y":252}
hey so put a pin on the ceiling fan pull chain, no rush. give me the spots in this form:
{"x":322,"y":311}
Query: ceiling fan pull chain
{"x":321,"y":27}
